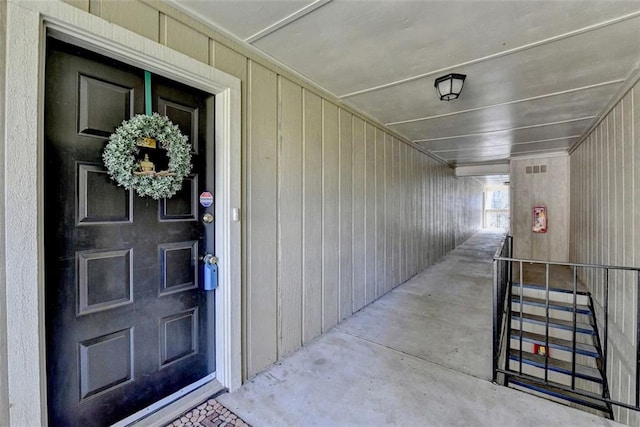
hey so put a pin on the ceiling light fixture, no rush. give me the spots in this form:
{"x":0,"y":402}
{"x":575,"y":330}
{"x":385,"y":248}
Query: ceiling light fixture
{"x":450,"y":86}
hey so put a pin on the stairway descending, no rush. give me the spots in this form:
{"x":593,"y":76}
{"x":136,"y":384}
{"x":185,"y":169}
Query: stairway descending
{"x":528,"y":325}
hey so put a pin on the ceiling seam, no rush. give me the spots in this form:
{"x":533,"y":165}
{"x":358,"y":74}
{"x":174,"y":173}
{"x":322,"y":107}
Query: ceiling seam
{"x":504,"y":145}
{"x":559,"y":150}
{"x":467,"y":161}
{"x":498,"y":54}
{"x":418,"y":141}
{"x":286,"y":21}
{"x":524,"y":156}
{"x":501,"y":104}
{"x":522,"y":153}
{"x":515,"y":143}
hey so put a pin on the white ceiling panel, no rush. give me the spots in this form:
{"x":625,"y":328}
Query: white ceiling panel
{"x":539,"y":72}
{"x":569,"y":64}
{"x":559,"y":108}
{"x":551,"y":146}
{"x":394,"y":40}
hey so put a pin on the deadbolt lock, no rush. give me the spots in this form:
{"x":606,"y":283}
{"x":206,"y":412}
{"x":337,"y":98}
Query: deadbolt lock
{"x":207,"y":218}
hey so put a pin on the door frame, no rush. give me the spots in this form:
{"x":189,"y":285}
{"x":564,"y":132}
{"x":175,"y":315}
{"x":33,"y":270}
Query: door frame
{"x":23,"y":204}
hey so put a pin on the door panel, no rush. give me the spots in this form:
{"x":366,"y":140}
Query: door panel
{"x":126,"y":320}
{"x":99,"y":201}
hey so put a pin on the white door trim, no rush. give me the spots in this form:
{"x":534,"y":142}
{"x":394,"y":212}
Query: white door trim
{"x":28,"y":23}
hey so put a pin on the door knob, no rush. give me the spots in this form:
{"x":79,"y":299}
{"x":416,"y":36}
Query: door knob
{"x":209,"y":259}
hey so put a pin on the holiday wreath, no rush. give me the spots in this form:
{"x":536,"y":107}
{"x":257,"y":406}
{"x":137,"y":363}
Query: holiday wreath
{"x":126,"y":156}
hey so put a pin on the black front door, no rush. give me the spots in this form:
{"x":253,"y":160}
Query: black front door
{"x":127,"y":321}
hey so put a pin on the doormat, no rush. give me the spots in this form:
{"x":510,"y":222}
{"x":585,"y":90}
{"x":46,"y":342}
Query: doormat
{"x":209,"y":414}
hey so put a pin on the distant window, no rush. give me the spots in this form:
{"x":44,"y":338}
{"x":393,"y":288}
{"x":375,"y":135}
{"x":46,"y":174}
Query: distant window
{"x":496,"y":207}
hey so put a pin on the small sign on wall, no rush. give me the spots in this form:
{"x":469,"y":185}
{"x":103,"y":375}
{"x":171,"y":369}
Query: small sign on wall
{"x":539,"y":219}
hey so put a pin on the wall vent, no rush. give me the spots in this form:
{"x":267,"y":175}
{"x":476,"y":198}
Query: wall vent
{"x":536,"y":169}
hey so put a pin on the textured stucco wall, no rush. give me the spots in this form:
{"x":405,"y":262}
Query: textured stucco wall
{"x":4,"y":391}
{"x":22,"y":289}
{"x":550,"y":189}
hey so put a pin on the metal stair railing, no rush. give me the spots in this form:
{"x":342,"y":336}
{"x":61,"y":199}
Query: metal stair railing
{"x":503,"y":263}
{"x":501,"y":291}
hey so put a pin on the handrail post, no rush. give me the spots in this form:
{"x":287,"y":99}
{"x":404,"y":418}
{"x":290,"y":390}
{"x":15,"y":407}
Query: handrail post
{"x":575,"y":327}
{"x":508,"y":314}
{"x":501,"y":295}
{"x":638,"y":340}
{"x":495,"y":321}
{"x":546,"y":332}
{"x":521,"y":319}
{"x":510,"y":263}
{"x":606,"y":327}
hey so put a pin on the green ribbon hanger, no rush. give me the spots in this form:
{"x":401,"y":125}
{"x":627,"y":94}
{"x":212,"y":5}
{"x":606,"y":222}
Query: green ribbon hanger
{"x":147,"y":93}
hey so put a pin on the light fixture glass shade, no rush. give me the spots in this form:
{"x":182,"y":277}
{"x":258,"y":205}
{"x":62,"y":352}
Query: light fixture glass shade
{"x":450,"y":86}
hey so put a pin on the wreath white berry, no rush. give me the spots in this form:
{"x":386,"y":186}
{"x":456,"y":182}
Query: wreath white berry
{"x":121,"y":156}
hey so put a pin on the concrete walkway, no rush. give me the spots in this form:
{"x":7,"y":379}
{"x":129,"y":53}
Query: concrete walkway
{"x":420,"y":355}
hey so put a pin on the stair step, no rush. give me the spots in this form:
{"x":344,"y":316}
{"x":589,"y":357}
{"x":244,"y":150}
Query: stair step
{"x":555,"y":294}
{"x":557,"y":343}
{"x":581,"y":328}
{"x":558,"y":377}
{"x":539,"y":328}
{"x":555,"y":353}
{"x":555,"y":365}
{"x":553,"y":305}
{"x":536,"y":306}
{"x":552,"y":390}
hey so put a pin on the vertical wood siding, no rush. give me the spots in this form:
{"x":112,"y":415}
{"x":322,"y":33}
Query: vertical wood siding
{"x":390,"y":233}
{"x":336,"y":210}
{"x":290,"y":218}
{"x":346,"y":215}
{"x":312,"y":214}
{"x":359,"y":244}
{"x":330,"y":215}
{"x":260,"y":214}
{"x":605,"y":218}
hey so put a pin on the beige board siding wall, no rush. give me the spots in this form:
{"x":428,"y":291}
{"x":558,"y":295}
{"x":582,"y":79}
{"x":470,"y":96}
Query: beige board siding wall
{"x":605,"y":227}
{"x":337,"y":211}
{"x":550,"y":189}
{"x":345,"y":221}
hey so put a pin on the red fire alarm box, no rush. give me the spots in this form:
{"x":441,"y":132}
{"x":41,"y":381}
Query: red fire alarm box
{"x":539,"y":219}
{"x":541,"y":350}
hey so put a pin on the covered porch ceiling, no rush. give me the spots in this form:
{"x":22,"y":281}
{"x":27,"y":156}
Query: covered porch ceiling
{"x":539,"y":73}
